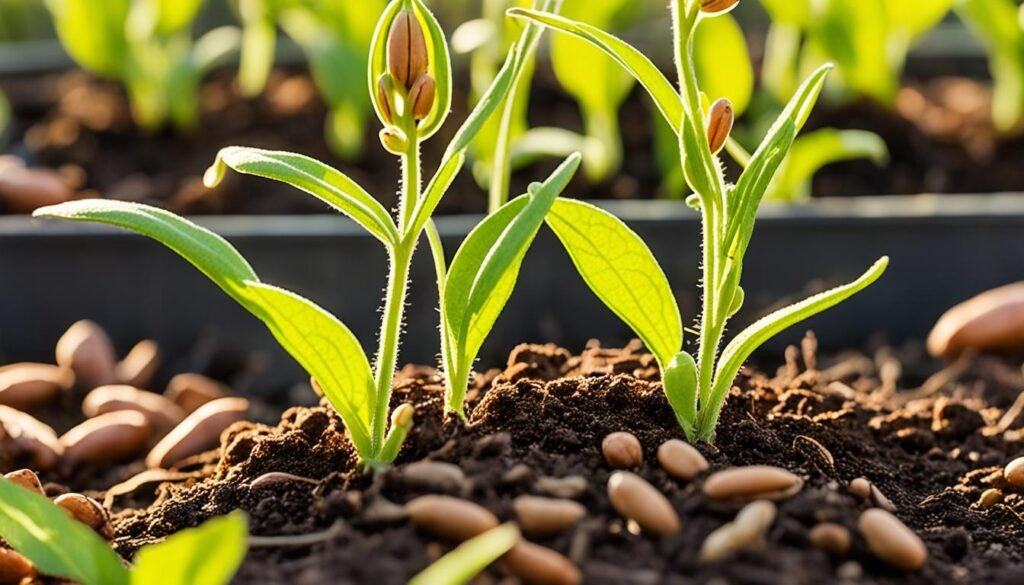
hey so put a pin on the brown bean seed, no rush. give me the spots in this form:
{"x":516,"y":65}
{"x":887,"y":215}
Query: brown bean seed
{"x":163,"y":414}
{"x":989,"y":498}
{"x":623,"y":450}
{"x":27,"y":479}
{"x":199,"y":431}
{"x":14,"y":567}
{"x":570,"y":486}
{"x":539,"y":565}
{"x":715,"y":6}
{"x":720,"y":120}
{"x":407,"y":49}
{"x":746,"y":531}
{"x":861,"y":488}
{"x":190,"y":391}
{"x":140,"y":365}
{"x":33,"y":436}
{"x":1014,"y":472}
{"x":27,"y":385}
{"x":450,"y":517}
{"x":891,"y":540}
{"x":831,"y":538}
{"x":991,"y":321}
{"x":109,"y":437}
{"x":421,"y":96}
{"x":86,"y":349}
{"x":24,"y":189}
{"x":752,"y":482}
{"x":434,"y":476}
{"x":681,"y":459}
{"x":87,"y":511}
{"x":636,"y":499}
{"x":546,"y":516}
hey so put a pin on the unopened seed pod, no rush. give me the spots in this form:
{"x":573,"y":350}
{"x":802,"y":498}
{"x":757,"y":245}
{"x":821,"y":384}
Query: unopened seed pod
{"x":393,"y":140}
{"x":717,"y":6}
{"x":407,"y":49}
{"x":421,"y":97}
{"x":720,"y":119}
{"x":385,"y":83}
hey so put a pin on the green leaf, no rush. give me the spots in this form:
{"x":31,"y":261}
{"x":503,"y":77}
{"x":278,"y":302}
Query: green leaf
{"x":171,"y":16}
{"x":377,"y":63}
{"x":56,"y":544}
{"x":259,"y":40}
{"x":484,"y":272}
{"x":636,"y":63}
{"x":723,"y":62}
{"x":996,"y":24}
{"x":312,"y":176}
{"x":210,"y":554}
{"x":617,"y":265}
{"x":912,"y":19}
{"x":94,"y":33}
{"x":318,"y":341}
{"x":814,"y":150}
{"x":790,"y":12}
{"x":469,"y":558}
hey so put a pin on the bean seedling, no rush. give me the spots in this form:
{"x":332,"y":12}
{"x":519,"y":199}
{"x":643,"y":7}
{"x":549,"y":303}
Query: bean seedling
{"x":410,"y":85}
{"x":622,"y":271}
{"x":59,"y":546}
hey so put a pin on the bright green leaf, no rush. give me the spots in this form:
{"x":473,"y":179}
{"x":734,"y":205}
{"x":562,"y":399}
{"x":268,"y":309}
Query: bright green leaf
{"x":814,"y":150}
{"x":917,"y":17}
{"x":723,"y":62}
{"x":93,"y":33}
{"x":209,"y":554}
{"x":469,"y":558}
{"x":56,"y":544}
{"x":441,"y":68}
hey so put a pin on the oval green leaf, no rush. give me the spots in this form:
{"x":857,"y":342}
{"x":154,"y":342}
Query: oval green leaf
{"x":210,"y":553}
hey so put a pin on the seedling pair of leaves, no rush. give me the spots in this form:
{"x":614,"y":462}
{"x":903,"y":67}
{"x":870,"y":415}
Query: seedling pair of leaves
{"x":473,"y":291}
{"x":146,"y":45}
{"x":59,"y":546}
{"x":620,"y":268}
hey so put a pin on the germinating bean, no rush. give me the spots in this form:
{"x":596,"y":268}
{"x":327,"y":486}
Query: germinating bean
{"x":636,"y":499}
{"x":1014,"y":472}
{"x":747,"y":530}
{"x":991,"y":321}
{"x":163,"y":414}
{"x":86,"y":349}
{"x":539,"y":565}
{"x":831,"y":538}
{"x":87,"y":511}
{"x":450,"y":517}
{"x":546,"y":516}
{"x":27,"y":385}
{"x":27,"y":479}
{"x":198,"y":432}
{"x":14,"y":567}
{"x":623,"y":450}
{"x":681,"y":459}
{"x":108,"y":437}
{"x":190,"y":391}
{"x":891,"y":540}
{"x":33,"y":436}
{"x":140,"y":365}
{"x":752,"y":482}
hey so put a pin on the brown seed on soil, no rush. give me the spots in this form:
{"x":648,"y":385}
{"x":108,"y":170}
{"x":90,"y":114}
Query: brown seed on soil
{"x":831,"y":538}
{"x":277,"y":478}
{"x":27,"y":479}
{"x":752,"y":482}
{"x":861,"y":488}
{"x":198,"y":432}
{"x":14,"y":567}
{"x":163,"y":414}
{"x":27,"y":385}
{"x":989,"y":498}
{"x":681,"y":459}
{"x":190,"y":391}
{"x":539,"y":565}
{"x":24,"y":189}
{"x":991,"y":321}
{"x":87,"y":511}
{"x":746,"y":531}
{"x":86,"y":349}
{"x":1014,"y":472}
{"x":623,"y":450}
{"x":33,"y":436}
{"x":140,"y":365}
{"x":570,"y":486}
{"x":450,"y":517}
{"x":636,"y":499}
{"x":891,"y":540}
{"x":434,"y":476}
{"x":109,"y":437}
{"x":546,"y":516}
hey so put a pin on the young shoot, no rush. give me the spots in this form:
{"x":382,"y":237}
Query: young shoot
{"x":410,"y":86}
{"x":622,"y":271}
{"x":999,"y":25}
{"x":470,"y":558}
{"x":59,"y":546}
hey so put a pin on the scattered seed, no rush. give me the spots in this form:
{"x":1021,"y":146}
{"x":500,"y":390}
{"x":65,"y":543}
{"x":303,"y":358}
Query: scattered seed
{"x":162,"y":413}
{"x":14,"y":567}
{"x":450,"y":517}
{"x":861,"y":488}
{"x":277,"y":478}
{"x":1014,"y":472}
{"x":190,"y":391}
{"x":637,"y":500}
{"x":24,"y":189}
{"x":752,"y":482}
{"x":681,"y":459}
{"x":27,"y":479}
{"x":570,"y":486}
{"x":434,"y":476}
{"x":383,"y":511}
{"x":831,"y":538}
{"x":34,"y":437}
{"x":86,"y":349}
{"x":546,"y":516}
{"x":623,"y":450}
{"x":87,"y":511}
{"x":140,"y":365}
{"x":991,"y":321}
{"x":891,"y":541}
{"x":539,"y":565}
{"x":25,"y":386}
{"x":198,"y":432}
{"x":746,"y":531}
{"x":989,"y":498}
{"x":879,"y":499}
{"x":113,"y":436}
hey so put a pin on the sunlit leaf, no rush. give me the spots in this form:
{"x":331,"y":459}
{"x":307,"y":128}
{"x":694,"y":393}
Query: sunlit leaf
{"x":812,"y":151}
{"x":209,"y":554}
{"x":723,"y":62}
{"x":469,"y":558}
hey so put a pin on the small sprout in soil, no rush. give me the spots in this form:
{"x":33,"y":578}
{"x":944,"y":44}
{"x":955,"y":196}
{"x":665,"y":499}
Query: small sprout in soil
{"x":56,"y":543}
{"x":469,"y":558}
{"x":410,"y":86}
{"x":622,"y":271}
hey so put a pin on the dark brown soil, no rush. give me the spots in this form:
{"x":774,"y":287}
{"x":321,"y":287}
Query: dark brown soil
{"x":931,"y":443}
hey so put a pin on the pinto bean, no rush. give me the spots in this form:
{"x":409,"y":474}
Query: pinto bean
{"x":198,"y":432}
{"x":86,"y":349}
{"x":109,"y":437}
